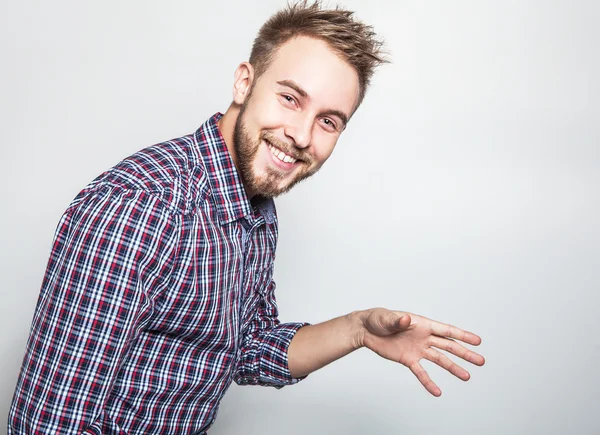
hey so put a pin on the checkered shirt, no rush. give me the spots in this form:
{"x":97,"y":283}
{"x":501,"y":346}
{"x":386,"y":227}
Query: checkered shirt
{"x":157,"y":295}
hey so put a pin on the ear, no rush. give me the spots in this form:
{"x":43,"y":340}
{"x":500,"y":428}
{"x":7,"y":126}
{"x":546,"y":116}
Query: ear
{"x":244,"y":77}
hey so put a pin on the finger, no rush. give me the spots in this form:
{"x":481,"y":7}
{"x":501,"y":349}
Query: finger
{"x":398,"y":322}
{"x":424,"y":379}
{"x":443,"y":361}
{"x":449,"y":331}
{"x":404,"y":321}
{"x":457,"y":349}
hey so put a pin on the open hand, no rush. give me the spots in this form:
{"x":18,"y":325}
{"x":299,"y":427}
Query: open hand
{"x":407,"y":338}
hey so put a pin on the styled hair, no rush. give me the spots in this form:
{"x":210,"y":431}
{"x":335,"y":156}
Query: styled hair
{"x":353,"y":41}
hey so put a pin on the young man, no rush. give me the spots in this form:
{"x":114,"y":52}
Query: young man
{"x":159,"y":293}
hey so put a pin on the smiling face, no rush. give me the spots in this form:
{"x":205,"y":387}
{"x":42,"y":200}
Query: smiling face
{"x":292,"y":116}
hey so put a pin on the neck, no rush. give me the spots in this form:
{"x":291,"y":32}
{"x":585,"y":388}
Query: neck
{"x":227,"y":126}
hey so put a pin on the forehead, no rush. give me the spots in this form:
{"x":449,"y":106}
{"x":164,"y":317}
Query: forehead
{"x":327,"y":79}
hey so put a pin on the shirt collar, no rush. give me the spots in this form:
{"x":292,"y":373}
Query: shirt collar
{"x":227,"y":189}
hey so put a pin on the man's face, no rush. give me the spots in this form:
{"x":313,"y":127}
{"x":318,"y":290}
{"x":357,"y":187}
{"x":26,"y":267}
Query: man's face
{"x":289,"y":124}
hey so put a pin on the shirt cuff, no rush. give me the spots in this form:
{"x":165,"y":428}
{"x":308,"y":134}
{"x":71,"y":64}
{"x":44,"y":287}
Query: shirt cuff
{"x":273,"y":351}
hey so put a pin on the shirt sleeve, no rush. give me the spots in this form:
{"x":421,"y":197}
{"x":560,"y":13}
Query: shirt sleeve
{"x":91,"y":307}
{"x":263,"y":359}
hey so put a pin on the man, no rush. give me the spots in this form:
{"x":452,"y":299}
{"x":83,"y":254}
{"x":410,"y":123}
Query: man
{"x":159,"y":292}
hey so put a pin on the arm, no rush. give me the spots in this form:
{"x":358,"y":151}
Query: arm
{"x":397,"y":336}
{"x":89,"y":312}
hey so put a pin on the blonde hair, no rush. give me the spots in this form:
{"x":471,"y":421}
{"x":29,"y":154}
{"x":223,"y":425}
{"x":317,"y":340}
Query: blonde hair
{"x":352,"y":40}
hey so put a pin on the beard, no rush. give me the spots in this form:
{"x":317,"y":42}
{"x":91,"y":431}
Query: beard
{"x":269,"y":184}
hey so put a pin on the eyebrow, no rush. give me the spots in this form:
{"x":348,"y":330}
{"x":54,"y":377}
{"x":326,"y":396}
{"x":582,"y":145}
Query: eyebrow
{"x":292,"y":84}
{"x":333,"y":112}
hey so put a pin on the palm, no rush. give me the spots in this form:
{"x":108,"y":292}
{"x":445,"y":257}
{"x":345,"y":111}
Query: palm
{"x":406,"y":346}
{"x":413,"y":338}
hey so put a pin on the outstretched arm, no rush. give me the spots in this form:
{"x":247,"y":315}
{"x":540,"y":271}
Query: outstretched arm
{"x":398,"y":336}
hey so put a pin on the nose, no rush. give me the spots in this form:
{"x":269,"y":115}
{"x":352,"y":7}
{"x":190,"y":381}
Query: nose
{"x":300,"y":131}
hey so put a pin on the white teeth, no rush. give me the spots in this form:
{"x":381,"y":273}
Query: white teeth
{"x":281,"y":155}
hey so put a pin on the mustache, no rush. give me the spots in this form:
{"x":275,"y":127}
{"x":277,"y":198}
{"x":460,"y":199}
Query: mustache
{"x":290,"y":150}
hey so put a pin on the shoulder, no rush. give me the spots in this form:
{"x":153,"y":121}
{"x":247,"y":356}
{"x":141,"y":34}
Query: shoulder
{"x":169,"y":171}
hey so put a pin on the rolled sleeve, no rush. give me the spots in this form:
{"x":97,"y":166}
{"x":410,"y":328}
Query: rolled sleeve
{"x":264,"y":354}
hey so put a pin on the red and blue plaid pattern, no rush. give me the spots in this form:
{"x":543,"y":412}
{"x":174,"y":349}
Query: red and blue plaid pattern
{"x":157,"y":295}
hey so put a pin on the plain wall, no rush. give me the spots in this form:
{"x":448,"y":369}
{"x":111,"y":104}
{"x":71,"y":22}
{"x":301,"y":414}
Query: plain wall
{"x":466,"y":189}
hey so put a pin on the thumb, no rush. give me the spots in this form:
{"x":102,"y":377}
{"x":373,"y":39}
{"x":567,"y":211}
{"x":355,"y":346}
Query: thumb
{"x":398,"y":322}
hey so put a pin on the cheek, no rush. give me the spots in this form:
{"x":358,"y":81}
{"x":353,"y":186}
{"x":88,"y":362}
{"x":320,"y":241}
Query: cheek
{"x":324,"y":146}
{"x":266,"y":113}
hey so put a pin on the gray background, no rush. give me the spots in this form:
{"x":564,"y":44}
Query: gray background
{"x":464,"y":189}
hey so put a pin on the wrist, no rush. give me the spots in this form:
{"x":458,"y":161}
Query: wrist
{"x":357,"y":319}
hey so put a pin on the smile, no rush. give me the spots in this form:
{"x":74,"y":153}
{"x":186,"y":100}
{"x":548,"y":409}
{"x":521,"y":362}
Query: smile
{"x":280,"y":154}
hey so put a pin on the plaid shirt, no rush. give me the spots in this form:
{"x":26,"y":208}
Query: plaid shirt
{"x":158,"y":293}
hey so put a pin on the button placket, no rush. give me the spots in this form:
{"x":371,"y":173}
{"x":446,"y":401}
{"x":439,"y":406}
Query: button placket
{"x":250,"y":297}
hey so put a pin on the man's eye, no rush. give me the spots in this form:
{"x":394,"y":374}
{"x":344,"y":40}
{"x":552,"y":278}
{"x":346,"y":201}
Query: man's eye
{"x":329,"y":123}
{"x":289,"y":99}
